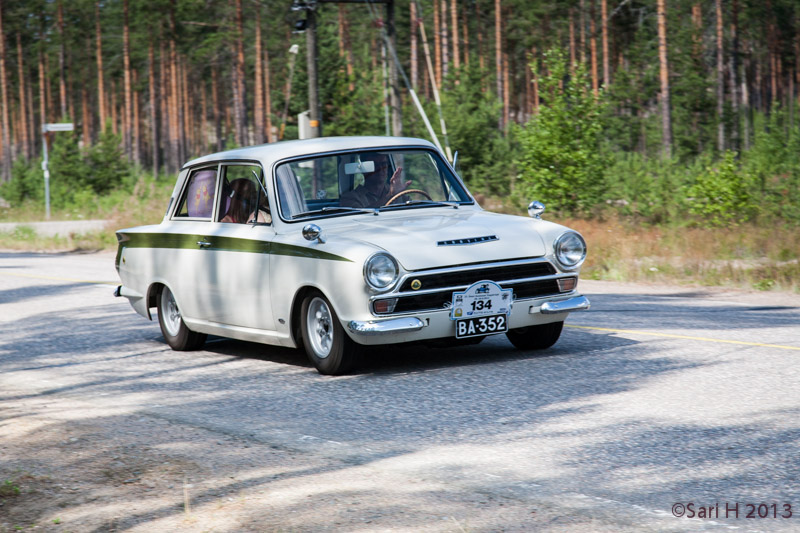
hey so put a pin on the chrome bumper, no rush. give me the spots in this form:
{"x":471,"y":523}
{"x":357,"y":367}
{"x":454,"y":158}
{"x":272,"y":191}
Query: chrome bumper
{"x":579,"y":303}
{"x":393,"y":325}
{"x":121,"y":290}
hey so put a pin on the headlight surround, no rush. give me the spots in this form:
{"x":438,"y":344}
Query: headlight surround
{"x":570,"y":250}
{"x":381,"y":271}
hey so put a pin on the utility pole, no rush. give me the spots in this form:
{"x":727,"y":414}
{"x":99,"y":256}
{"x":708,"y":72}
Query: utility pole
{"x":315,"y":118}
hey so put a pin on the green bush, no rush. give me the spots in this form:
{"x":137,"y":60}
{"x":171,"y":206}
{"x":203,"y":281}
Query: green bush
{"x":563,"y":160}
{"x":721,"y":194}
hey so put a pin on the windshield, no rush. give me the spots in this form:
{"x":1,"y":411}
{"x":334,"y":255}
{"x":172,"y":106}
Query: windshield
{"x":359,"y":182}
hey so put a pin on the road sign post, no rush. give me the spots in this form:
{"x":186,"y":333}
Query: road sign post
{"x":50,"y":128}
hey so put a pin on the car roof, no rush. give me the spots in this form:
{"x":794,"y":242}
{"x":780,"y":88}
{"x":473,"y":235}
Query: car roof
{"x":283,"y":149}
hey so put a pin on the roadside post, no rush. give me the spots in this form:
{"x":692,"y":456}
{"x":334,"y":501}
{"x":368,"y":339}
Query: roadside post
{"x":50,"y":128}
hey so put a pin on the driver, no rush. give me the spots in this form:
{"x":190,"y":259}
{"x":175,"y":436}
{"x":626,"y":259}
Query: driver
{"x":376,"y":190}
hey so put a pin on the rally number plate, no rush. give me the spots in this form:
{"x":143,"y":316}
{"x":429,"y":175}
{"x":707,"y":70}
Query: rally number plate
{"x":481,"y":309}
{"x":482,"y":325}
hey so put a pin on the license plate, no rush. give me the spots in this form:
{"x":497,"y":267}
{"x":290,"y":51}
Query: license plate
{"x":484,"y":298}
{"x":482,"y":325}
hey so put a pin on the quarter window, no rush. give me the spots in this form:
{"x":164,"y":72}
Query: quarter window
{"x":198,"y":197}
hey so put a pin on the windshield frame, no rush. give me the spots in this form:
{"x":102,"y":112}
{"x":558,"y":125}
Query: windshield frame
{"x":372,"y":211}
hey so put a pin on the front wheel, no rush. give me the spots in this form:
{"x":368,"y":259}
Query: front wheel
{"x":535,"y":337}
{"x":327,"y":345}
{"x":175,"y":332}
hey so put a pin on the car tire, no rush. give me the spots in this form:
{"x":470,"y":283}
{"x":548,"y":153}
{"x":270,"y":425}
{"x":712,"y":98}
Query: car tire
{"x":178,"y":336}
{"x":327,"y":345}
{"x":535,"y":337}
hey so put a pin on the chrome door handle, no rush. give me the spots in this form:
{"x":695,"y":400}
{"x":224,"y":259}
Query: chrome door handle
{"x":203,"y":244}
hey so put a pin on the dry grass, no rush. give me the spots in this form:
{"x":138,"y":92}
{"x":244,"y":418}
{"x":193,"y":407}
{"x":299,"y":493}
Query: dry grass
{"x":745,"y":256}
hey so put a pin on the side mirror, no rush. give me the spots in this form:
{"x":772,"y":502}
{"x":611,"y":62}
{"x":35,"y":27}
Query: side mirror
{"x":312,"y":232}
{"x":535,"y":209}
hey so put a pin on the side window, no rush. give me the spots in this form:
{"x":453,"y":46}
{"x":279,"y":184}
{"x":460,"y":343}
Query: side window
{"x":198,"y":196}
{"x":242,"y":191}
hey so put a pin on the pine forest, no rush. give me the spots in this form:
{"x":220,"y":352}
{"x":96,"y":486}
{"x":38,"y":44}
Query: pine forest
{"x":656,"y":110}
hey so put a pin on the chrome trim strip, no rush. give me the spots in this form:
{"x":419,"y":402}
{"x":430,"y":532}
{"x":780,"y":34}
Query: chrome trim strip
{"x":579,"y":303}
{"x":468,"y":240}
{"x":378,"y":327}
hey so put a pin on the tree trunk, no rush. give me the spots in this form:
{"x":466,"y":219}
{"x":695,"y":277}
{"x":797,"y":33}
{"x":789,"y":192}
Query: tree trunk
{"x":62,"y":82}
{"x":153,"y":106}
{"x":137,"y":137}
{"x":174,"y":125}
{"x":215,"y":106}
{"x":346,"y":49}
{"x":666,"y":117}
{"x":734,"y":77}
{"x":454,"y":25}
{"x":506,"y":93}
{"x":240,"y":111}
{"x":113,"y":106}
{"x":481,"y":52}
{"x":127,"y":117}
{"x":437,"y":44}
{"x":466,"y":36}
{"x":535,"y":95}
{"x":101,"y":95}
{"x":23,"y":104}
{"x":42,"y":85}
{"x":604,"y":29}
{"x":5,"y":146}
{"x":720,"y":80}
{"x":445,"y":44}
{"x":87,"y":117}
{"x":258,"y":86}
{"x":572,"y":50}
{"x":268,"y":95}
{"x":582,"y":33}
{"x":593,"y":50}
{"x":697,"y":34}
{"x":498,"y":58}
{"x":412,"y":7}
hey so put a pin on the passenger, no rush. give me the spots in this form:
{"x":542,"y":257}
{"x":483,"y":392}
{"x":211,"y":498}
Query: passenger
{"x":376,"y":189}
{"x":242,"y":203}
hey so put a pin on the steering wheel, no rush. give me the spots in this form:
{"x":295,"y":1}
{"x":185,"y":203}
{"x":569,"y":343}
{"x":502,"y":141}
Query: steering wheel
{"x":408,"y":191}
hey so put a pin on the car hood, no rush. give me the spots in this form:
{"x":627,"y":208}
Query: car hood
{"x":429,"y":240}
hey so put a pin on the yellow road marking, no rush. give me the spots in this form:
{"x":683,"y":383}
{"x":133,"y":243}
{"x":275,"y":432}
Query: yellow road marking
{"x":56,"y":278}
{"x":688,"y":337}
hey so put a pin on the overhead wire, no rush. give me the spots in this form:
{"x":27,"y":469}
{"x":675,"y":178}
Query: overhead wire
{"x":411,"y":90}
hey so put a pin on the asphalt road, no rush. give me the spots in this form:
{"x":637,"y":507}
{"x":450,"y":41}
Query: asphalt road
{"x":657,"y":398}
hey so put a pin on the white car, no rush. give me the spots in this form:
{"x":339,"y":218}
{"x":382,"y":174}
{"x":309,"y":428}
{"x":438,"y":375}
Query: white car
{"x":343,"y":244}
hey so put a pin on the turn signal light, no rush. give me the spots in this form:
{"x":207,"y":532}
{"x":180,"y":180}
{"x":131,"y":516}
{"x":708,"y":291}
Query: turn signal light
{"x":567,"y":284}
{"x":384,"y":306}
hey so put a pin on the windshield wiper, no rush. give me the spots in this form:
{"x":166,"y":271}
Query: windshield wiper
{"x":333,"y":209}
{"x":419,"y":203}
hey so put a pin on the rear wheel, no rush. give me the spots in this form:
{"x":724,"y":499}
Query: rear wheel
{"x":535,"y":337}
{"x":175,"y":332}
{"x":327,"y":345}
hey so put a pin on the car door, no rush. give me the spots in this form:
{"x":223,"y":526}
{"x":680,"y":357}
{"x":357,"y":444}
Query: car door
{"x":236,"y":259}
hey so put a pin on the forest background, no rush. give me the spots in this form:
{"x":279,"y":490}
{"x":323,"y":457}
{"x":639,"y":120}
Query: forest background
{"x":667,"y":131}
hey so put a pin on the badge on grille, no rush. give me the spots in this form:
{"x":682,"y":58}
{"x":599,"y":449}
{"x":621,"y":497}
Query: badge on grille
{"x":416,"y":284}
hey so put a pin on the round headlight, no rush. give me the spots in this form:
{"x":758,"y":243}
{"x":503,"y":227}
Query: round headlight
{"x":380,"y":271}
{"x":570,"y":250}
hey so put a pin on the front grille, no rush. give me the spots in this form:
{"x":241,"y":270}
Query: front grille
{"x":443,"y":299}
{"x":465,"y":278}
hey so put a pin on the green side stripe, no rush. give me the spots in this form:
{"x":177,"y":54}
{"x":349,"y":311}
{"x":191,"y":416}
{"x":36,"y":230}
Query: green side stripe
{"x":219,"y":243}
